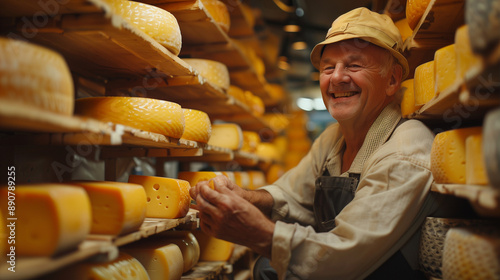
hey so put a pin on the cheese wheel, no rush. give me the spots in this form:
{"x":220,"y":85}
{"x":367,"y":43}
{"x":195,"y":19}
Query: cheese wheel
{"x":167,"y":198}
{"x":35,"y":76}
{"x":198,"y":126}
{"x":268,"y":151}
{"x":51,"y":218}
{"x":251,"y":140}
{"x":408,"y":106}
{"x":125,"y":267}
{"x":474,"y":161}
{"x":226,"y":135}
{"x":448,"y":155}
{"x":471,"y":254}
{"x":237,"y":93}
{"x":445,"y":68}
{"x":230,"y":175}
{"x":157,"y":23}
{"x":117,"y":208}
{"x":404,"y":28}
{"x":415,"y":9}
{"x":466,"y":58}
{"x":257,"y":179}
{"x":424,"y":83}
{"x":213,"y":71}
{"x":147,"y":114}
{"x":219,"y":12}
{"x":188,"y":244}
{"x":242,"y":179}
{"x":193,"y":177}
{"x":213,"y":249}
{"x":160,"y":261}
{"x":274,"y":172}
{"x":255,"y":103}
{"x":276,"y":93}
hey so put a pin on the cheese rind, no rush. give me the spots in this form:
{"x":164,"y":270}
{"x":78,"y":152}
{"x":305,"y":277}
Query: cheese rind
{"x":213,"y":71}
{"x":166,"y":198}
{"x":213,"y":249}
{"x":415,"y":9}
{"x":445,"y":64}
{"x":117,"y":208}
{"x":242,"y":179}
{"x":465,"y":57}
{"x":404,"y":28}
{"x":147,"y":114}
{"x":226,"y":135}
{"x":474,"y":161}
{"x":55,"y":218}
{"x":160,"y":261}
{"x":198,"y":126}
{"x":35,"y":76}
{"x":218,"y":11}
{"x":188,"y":244}
{"x":424,"y":83}
{"x":251,"y":140}
{"x":408,"y":106}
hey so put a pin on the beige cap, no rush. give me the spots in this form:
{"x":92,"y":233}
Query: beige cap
{"x":370,"y":26}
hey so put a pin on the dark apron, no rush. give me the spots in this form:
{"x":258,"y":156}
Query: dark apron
{"x":331,"y":196}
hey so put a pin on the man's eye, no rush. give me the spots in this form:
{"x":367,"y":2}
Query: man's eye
{"x":354,"y":66}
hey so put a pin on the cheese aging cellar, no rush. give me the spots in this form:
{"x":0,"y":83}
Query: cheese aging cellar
{"x":249,"y":139}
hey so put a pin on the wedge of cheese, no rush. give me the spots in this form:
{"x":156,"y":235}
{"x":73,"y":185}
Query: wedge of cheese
{"x":448,"y":155}
{"x":160,"y":261}
{"x":51,"y":218}
{"x":474,"y":161}
{"x":147,"y":114}
{"x":445,"y":64}
{"x":198,"y":126}
{"x":408,"y":106}
{"x":166,"y":198}
{"x":186,"y":241}
{"x":226,"y":135}
{"x":35,"y":76}
{"x":213,"y":71}
{"x":117,"y":208}
{"x":424,"y":83}
{"x":213,"y":249}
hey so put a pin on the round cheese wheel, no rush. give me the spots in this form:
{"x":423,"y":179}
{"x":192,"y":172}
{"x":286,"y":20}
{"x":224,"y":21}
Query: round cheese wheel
{"x":158,"y":23}
{"x":35,"y":76}
{"x":187,"y":243}
{"x":215,"y":72}
{"x":415,"y":9}
{"x":218,"y":11}
{"x":148,"y":114}
{"x":198,"y":126}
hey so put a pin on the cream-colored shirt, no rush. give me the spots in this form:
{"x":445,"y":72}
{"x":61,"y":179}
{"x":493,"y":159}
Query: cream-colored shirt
{"x":390,"y":203}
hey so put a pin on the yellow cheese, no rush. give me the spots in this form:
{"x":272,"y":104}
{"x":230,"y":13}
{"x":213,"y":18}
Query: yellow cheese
{"x":281,"y":143}
{"x":35,"y":76}
{"x":226,"y":135}
{"x":404,"y":28}
{"x":257,"y":179}
{"x":448,"y":155}
{"x":445,"y":64}
{"x":250,"y":141}
{"x":300,"y":145}
{"x":470,"y":254}
{"x":50,"y":218}
{"x":230,"y":175}
{"x":242,"y":179}
{"x":408,"y":106}
{"x":117,"y":208}
{"x":474,"y":161}
{"x":213,"y":249}
{"x":147,"y":114}
{"x":466,"y":58}
{"x":157,"y":23}
{"x":193,"y":177}
{"x":198,"y":126}
{"x":160,"y":261}
{"x":292,"y":159}
{"x":218,"y":11}
{"x":166,"y":198}
{"x":237,"y":93}
{"x":187,"y":243}
{"x":276,"y":93}
{"x":125,"y":267}
{"x":274,"y":172}
{"x":424,"y":83}
{"x":255,"y":103}
{"x":415,"y":9}
{"x":268,"y":151}
{"x":213,"y":71}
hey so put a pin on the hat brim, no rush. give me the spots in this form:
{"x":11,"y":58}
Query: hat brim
{"x":316,"y":52}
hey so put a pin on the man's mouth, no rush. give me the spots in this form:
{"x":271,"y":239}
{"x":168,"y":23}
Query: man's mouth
{"x":344,"y":94}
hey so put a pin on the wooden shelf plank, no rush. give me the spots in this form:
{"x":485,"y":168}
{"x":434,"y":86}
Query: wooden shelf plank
{"x":485,"y":197}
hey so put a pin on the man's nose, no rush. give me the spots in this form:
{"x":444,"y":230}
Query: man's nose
{"x":340,"y":75}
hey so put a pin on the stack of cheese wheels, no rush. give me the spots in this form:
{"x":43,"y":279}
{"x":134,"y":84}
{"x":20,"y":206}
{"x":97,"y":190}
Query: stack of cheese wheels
{"x":193,"y":177}
{"x":237,"y":93}
{"x":148,"y":114}
{"x":186,"y":241}
{"x":167,"y":198}
{"x":448,"y":155}
{"x":213,"y":71}
{"x":408,"y":106}
{"x":213,"y":249}
{"x":124,"y":267}
{"x":35,"y":77}
{"x":157,"y":23}
{"x":198,"y":126}
{"x":219,"y":12}
{"x":55,"y":218}
{"x":226,"y":135}
{"x":415,"y":9}
{"x":117,"y":208}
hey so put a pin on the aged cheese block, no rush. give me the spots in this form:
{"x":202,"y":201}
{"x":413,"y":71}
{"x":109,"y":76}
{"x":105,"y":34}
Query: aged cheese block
{"x":226,"y":135}
{"x":415,"y":9}
{"x":408,"y":106}
{"x":257,"y":179}
{"x":213,"y":71}
{"x":448,"y":155}
{"x":198,"y":126}
{"x":218,"y":11}
{"x":160,"y":261}
{"x":242,"y":179}
{"x":125,"y":267}
{"x":35,"y":76}
{"x":166,"y":198}
{"x":424,"y":83}
{"x":445,"y":64}
{"x":471,"y":254}
{"x":117,"y":208}
{"x":474,"y":161}
{"x":466,"y":59}
{"x":268,"y":151}
{"x":193,"y":177}
{"x":404,"y":28}
{"x":251,"y":140}
{"x":148,"y":114}
{"x":158,"y":23}
{"x":187,"y":243}
{"x":213,"y":249}
{"x":50,"y":218}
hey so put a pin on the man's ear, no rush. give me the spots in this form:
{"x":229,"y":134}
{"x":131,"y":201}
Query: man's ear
{"x":395,"y":79}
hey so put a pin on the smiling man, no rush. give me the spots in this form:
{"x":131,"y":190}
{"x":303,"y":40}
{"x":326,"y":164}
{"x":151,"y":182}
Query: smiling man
{"x":351,"y":209}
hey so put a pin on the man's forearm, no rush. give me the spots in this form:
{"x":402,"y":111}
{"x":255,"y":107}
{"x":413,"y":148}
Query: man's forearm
{"x":260,"y":199}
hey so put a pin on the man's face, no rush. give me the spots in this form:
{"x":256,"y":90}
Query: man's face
{"x":352,"y":80}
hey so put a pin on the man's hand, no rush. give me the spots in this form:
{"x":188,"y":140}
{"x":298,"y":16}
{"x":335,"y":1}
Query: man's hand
{"x":226,"y":215}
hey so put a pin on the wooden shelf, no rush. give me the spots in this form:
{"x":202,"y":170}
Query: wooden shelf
{"x":485,"y":198}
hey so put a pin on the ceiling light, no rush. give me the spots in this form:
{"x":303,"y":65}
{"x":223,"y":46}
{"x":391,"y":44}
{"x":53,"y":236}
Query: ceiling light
{"x":300,"y":45}
{"x":291,"y":28}
{"x":305,"y":104}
